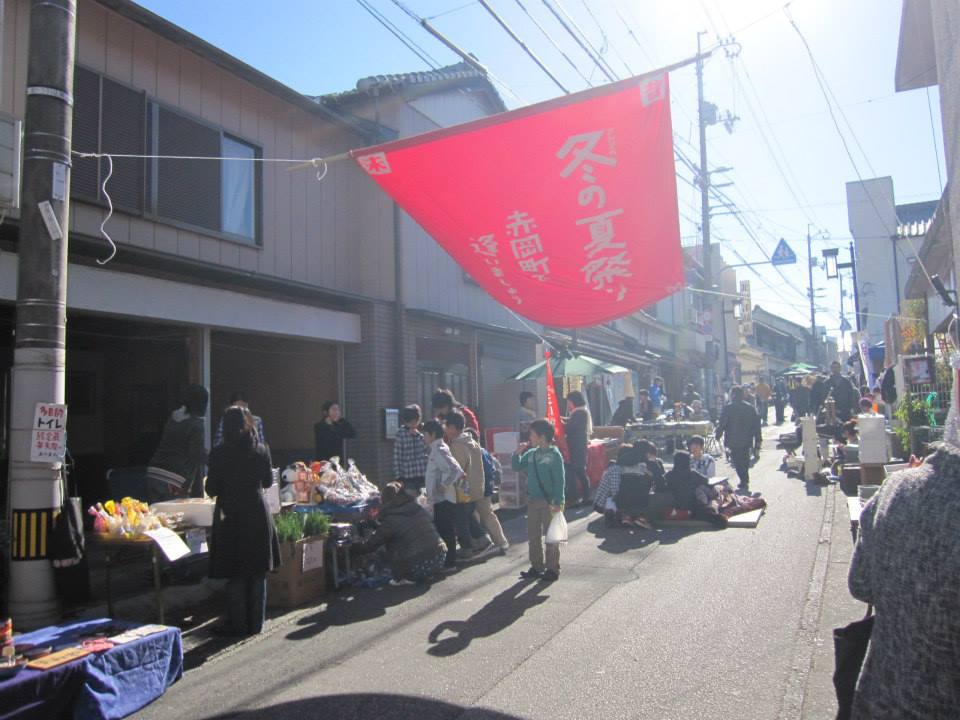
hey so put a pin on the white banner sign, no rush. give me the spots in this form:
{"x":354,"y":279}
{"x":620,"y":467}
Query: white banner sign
{"x":49,"y":441}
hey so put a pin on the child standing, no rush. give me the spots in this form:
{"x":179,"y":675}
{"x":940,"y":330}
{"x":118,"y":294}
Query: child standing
{"x":410,"y":451}
{"x":442,"y":473}
{"x":542,"y":462}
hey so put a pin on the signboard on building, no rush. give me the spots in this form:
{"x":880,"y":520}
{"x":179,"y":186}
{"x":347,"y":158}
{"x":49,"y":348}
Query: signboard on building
{"x":746,"y":319}
{"x":49,"y":441}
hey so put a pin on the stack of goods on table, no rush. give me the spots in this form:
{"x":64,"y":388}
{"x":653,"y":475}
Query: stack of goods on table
{"x":325,"y":482}
{"x":129,"y":519}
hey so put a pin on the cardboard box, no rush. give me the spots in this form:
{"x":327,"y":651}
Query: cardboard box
{"x":291,"y":585}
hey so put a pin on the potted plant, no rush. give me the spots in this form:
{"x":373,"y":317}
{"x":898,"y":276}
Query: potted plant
{"x":301,"y":576}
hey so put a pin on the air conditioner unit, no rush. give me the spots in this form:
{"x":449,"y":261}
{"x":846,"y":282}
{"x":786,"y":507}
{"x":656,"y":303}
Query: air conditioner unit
{"x":11,"y":135}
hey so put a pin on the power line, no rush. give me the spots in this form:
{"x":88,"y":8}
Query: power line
{"x":522,"y":44}
{"x":606,"y":40}
{"x":553,"y":42}
{"x":933,"y":137}
{"x":577,"y":27}
{"x":408,"y":42}
{"x":596,"y":61}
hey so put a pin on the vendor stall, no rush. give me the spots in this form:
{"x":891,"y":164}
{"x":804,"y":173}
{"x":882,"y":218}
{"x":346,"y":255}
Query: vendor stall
{"x":668,"y":436}
{"x":93,"y":670}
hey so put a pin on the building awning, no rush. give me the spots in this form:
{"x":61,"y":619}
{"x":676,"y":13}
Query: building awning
{"x":122,"y":294}
{"x":936,"y":251}
{"x":916,"y":56}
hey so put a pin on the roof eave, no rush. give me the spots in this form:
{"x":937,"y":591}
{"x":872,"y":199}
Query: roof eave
{"x":916,"y":59}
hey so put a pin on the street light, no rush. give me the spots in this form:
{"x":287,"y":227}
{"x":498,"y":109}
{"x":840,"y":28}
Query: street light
{"x":830,"y":257}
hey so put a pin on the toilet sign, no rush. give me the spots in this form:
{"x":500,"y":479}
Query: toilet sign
{"x":783,"y":255}
{"x":49,"y":441}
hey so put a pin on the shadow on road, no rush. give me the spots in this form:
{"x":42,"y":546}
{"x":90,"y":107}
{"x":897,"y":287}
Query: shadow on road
{"x":618,"y":540}
{"x":497,"y":615}
{"x":354,"y":608}
{"x":365,"y":705}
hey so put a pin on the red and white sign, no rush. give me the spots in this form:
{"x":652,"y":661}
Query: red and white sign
{"x":564,"y":211}
{"x":49,"y":440}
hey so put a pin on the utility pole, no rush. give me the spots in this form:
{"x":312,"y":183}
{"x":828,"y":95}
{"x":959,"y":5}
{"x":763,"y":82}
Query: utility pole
{"x":813,"y":312}
{"x":39,"y":359}
{"x":702,"y":122}
{"x":856,"y":288}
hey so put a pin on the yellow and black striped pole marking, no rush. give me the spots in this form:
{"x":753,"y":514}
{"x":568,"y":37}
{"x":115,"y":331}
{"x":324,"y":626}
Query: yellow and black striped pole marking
{"x":31,"y":529}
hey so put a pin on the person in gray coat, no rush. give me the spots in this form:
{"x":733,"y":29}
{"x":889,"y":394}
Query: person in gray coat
{"x":181,"y":456}
{"x":906,"y":563}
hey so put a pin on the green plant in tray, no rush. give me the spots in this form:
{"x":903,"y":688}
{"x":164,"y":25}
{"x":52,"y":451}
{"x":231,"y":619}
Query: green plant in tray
{"x":316,"y":524}
{"x":289,"y":527}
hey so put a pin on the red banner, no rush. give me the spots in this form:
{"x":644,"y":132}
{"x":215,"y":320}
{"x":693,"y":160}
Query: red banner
{"x":553,"y":412}
{"x":564,"y":211}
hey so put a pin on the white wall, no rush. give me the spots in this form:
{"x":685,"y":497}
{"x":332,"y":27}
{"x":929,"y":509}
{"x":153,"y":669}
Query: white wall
{"x":873,"y":221}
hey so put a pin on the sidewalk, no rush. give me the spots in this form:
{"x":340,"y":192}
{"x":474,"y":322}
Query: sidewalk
{"x":837,"y":609}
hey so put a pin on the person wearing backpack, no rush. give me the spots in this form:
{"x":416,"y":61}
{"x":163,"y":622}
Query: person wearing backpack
{"x":484,"y":505}
{"x":541,"y":460}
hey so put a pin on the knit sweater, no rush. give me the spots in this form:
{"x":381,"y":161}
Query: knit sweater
{"x":907,"y":564}
{"x":547,"y":465}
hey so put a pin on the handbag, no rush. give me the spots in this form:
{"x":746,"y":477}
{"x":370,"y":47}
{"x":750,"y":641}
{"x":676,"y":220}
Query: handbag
{"x":849,"y":650}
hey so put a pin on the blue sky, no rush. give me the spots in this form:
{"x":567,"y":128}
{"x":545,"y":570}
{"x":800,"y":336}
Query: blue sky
{"x":789,"y":166}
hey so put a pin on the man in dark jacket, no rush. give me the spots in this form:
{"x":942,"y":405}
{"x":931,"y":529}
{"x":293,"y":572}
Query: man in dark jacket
{"x":845,"y":395}
{"x":818,"y":395}
{"x":739,"y":427}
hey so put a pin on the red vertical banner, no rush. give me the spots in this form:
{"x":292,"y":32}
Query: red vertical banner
{"x":553,"y":412}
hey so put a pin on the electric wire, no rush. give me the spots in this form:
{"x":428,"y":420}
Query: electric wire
{"x":606,"y":40}
{"x":933,"y":137}
{"x":583,"y":35}
{"x":407,"y":41}
{"x":553,"y":42}
{"x":611,"y":77}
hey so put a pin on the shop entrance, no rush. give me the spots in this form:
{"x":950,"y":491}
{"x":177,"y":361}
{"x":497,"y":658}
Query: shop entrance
{"x":285,"y":382}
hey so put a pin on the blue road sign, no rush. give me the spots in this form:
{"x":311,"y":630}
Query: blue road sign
{"x":783,"y":255}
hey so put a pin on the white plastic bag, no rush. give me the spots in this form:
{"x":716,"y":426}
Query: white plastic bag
{"x":557,"y":531}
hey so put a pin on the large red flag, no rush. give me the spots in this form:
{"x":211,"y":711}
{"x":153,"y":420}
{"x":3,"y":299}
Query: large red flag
{"x":553,"y":412}
{"x":564,"y":211}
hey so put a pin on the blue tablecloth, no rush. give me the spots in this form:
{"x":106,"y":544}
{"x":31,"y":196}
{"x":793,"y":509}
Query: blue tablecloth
{"x":105,"y":686}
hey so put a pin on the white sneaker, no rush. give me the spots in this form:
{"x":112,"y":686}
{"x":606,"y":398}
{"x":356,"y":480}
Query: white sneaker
{"x":401,"y":582}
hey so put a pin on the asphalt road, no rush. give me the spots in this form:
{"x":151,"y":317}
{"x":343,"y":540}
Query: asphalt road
{"x":675,"y":623}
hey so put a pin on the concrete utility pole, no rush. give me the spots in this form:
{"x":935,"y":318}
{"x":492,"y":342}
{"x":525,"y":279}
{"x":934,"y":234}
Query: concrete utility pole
{"x":813,"y":312}
{"x":702,"y":121}
{"x":39,"y":359}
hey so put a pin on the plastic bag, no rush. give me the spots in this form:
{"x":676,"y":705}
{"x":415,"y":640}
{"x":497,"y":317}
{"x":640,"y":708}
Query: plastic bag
{"x":557,"y":531}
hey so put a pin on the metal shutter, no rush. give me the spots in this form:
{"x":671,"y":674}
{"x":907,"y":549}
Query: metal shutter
{"x":188,"y":190}
{"x":84,"y":177}
{"x":122,"y":132}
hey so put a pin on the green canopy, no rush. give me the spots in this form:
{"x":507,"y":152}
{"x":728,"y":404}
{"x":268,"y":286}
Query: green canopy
{"x":576,"y":366}
{"x":798,"y":369}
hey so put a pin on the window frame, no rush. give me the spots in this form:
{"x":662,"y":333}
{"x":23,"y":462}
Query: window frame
{"x":149,"y":189}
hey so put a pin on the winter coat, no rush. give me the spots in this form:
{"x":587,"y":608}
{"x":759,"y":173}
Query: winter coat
{"x":623,"y":415}
{"x":739,"y":425}
{"x":683,"y":484}
{"x":244,"y":539}
{"x":818,"y":395}
{"x":328,"y":439}
{"x":545,"y":475}
{"x":408,"y":532}
{"x":577,"y":430}
{"x":442,"y":472}
{"x":888,"y":387}
{"x":845,"y":396}
{"x":907,"y":564}
{"x":182,"y":448}
{"x":466,"y":451}
{"x":634,"y":494}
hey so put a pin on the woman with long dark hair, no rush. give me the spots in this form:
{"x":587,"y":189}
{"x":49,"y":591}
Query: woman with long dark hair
{"x":245,"y":546}
{"x":331,"y":431}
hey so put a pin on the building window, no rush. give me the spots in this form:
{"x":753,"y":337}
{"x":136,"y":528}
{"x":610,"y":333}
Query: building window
{"x":216,"y":196}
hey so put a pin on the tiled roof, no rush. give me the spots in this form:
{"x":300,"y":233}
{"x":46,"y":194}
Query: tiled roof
{"x":913,"y":219}
{"x":460,"y":73}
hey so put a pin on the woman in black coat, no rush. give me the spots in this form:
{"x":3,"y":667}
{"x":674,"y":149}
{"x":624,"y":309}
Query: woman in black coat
{"x":330,"y":432}
{"x":245,"y":545}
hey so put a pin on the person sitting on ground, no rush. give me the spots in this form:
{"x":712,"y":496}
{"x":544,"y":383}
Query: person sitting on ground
{"x":683,"y":482}
{"x":700,"y":461}
{"x":604,"y":502}
{"x":848,"y":449}
{"x":442,"y":474}
{"x":636,"y":480}
{"x":415,"y":551}
{"x":443,"y":402}
{"x":624,"y":414}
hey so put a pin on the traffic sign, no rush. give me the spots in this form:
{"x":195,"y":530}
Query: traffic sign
{"x":783,"y":255}
{"x":845,"y":325}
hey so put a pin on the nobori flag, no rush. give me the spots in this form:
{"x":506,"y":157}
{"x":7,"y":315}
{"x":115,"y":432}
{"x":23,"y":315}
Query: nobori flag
{"x":564,"y":211}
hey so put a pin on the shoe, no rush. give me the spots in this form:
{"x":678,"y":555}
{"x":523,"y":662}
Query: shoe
{"x":743,"y":490}
{"x":447,"y":569}
{"x":484,"y":546}
{"x":502,"y":550}
{"x":401,"y":582}
{"x":550,"y":576}
{"x":532,"y":574}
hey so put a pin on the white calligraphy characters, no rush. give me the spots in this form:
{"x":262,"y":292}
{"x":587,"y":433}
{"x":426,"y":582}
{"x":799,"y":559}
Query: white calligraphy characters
{"x":608,"y":263}
{"x":526,"y":245}
{"x":486,"y":247}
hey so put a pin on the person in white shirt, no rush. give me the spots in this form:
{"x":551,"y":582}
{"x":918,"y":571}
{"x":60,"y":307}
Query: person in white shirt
{"x":701,"y":461}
